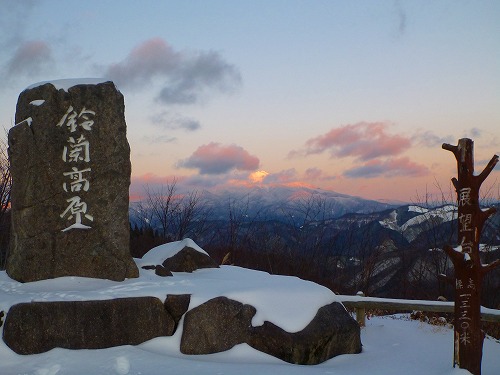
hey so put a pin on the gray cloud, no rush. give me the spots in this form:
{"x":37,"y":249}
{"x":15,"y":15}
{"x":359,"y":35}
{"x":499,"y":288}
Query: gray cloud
{"x":473,"y":133}
{"x":387,"y":168}
{"x":199,"y":74}
{"x":430,"y":139}
{"x":205,"y":181}
{"x":12,"y":30}
{"x":30,"y":58}
{"x":187,"y":77}
{"x":159,"y":139}
{"x":171,"y":121}
{"x":401,"y":16}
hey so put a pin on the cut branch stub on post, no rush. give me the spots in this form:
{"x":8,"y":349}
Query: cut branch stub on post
{"x":469,"y":271}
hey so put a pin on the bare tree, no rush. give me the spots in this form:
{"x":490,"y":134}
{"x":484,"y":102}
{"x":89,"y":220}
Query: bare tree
{"x":240,"y":229}
{"x":190,"y":216}
{"x":5,"y":189}
{"x":173,"y":214}
{"x":163,"y":204}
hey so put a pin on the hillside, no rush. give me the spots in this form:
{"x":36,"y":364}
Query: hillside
{"x":345,"y":243}
{"x":391,"y":345}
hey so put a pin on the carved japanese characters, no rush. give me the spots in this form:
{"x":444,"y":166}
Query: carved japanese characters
{"x":469,"y":271}
{"x":76,"y":151}
{"x":70,"y":163}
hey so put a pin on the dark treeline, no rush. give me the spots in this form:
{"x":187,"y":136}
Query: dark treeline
{"x":302,"y":238}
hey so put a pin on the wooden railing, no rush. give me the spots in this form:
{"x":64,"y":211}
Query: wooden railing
{"x":361,"y":303}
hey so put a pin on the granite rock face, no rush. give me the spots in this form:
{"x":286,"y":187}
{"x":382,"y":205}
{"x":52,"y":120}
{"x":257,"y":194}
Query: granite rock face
{"x":70,"y":164}
{"x":216,"y":326}
{"x":221,"y":323}
{"x":188,"y":260}
{"x":37,"y":327}
{"x":177,"y":305}
{"x":332,"y":332}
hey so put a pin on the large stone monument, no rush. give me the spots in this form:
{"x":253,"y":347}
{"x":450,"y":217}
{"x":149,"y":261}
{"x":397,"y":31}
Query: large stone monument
{"x":70,"y":164}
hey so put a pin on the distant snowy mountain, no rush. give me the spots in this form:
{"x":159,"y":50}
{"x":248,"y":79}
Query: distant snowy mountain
{"x":278,"y":200}
{"x":359,"y":243}
{"x":417,"y":219}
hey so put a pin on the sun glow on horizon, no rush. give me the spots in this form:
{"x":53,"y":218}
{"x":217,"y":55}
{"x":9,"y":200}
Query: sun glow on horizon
{"x":258,"y":176}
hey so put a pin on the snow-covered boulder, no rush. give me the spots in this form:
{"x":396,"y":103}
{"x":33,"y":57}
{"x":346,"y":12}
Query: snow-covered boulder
{"x":206,"y":311}
{"x":332,"y":332}
{"x":178,"y":256}
{"x":221,"y":323}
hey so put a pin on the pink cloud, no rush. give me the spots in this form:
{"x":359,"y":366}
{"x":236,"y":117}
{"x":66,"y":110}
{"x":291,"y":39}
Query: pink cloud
{"x":184,"y":77}
{"x":31,"y":58}
{"x":388,"y":168}
{"x":313,"y":173}
{"x":317,"y":175}
{"x":363,"y":140}
{"x":282,"y":177}
{"x":214,"y":158}
{"x":152,"y":57}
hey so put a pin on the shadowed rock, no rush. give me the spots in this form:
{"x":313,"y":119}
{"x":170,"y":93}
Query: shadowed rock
{"x":332,"y":332}
{"x":221,"y":323}
{"x":177,"y":305}
{"x":216,"y":326}
{"x":189,"y":260}
{"x":37,"y":327}
{"x":159,"y":270}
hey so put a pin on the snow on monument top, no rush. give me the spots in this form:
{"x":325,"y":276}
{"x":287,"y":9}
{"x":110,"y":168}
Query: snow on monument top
{"x":65,"y":84}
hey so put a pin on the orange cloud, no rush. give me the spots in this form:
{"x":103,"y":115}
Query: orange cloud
{"x":258,"y":176}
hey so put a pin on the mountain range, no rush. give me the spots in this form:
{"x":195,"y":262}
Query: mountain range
{"x":338,"y":240}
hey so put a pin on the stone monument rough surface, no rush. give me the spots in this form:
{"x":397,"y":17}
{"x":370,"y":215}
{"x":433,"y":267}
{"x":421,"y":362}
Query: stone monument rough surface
{"x":70,"y":164}
{"x":37,"y":327}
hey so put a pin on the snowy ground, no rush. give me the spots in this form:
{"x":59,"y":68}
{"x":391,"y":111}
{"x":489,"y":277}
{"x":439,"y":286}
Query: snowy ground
{"x":390,"y":345}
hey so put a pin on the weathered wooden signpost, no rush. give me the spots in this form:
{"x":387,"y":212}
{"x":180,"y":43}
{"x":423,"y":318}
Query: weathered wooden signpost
{"x":469,"y":271}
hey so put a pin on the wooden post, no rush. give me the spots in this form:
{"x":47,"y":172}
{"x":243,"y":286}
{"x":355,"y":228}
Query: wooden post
{"x":361,"y":312}
{"x":469,"y":272}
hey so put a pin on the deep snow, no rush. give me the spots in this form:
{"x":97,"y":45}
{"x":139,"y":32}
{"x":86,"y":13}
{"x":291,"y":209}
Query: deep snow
{"x":390,"y":345}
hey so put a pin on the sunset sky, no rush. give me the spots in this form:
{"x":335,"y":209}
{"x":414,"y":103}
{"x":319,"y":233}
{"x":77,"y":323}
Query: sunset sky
{"x":351,"y":96}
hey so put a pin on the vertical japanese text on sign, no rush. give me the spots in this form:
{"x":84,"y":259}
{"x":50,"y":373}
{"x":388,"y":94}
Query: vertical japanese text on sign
{"x":77,"y":150}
